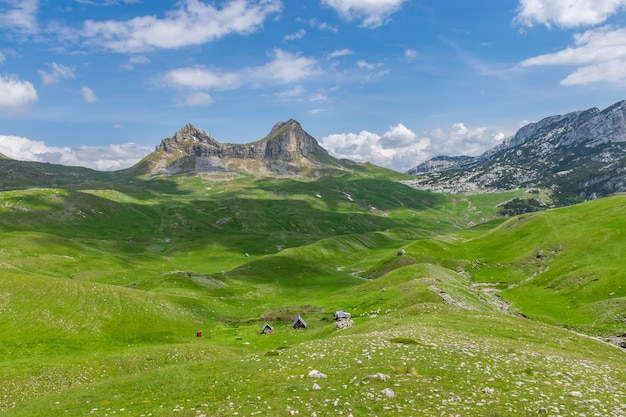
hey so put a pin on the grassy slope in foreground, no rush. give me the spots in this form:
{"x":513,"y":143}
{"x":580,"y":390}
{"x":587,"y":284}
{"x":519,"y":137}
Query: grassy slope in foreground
{"x":468,"y":364}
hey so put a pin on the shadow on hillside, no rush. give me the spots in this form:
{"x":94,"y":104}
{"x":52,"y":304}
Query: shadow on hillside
{"x":348,"y":190}
{"x":21,"y":175}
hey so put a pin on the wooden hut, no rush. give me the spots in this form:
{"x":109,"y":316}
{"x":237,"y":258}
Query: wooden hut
{"x":298,"y":323}
{"x":267,"y":329}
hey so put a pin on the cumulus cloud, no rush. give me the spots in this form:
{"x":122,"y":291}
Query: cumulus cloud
{"x":599,"y":55}
{"x":102,"y":158}
{"x":461,"y":140}
{"x":16,"y":95}
{"x":193,"y":23}
{"x":372,"y":13}
{"x":400,"y":149}
{"x":88,"y":95}
{"x":567,"y":13}
{"x":20,"y":15}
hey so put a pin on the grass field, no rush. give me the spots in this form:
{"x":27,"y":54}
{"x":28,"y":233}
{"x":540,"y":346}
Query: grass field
{"x":103,"y":290}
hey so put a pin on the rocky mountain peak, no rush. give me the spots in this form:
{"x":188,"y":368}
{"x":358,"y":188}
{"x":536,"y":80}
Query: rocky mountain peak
{"x":287,"y":140}
{"x":191,"y":133}
{"x":286,"y":149}
{"x":578,"y":155}
{"x":290,"y":124}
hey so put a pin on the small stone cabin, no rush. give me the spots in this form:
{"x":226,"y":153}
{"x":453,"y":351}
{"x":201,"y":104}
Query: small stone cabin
{"x":298,"y":323}
{"x":342,"y":315}
{"x":267,"y":329}
{"x":343,"y":320}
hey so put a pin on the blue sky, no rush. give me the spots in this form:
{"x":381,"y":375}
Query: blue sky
{"x":100,"y":83}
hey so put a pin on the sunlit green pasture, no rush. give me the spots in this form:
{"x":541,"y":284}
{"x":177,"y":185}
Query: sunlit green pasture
{"x":103,"y":291}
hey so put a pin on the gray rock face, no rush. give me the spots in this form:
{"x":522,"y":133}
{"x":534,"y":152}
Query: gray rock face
{"x":579,"y":155}
{"x":440,"y":163}
{"x":285,"y":150}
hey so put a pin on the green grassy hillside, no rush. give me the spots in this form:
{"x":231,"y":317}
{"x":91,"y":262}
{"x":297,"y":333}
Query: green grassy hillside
{"x":106,"y":282}
{"x":561,"y":266}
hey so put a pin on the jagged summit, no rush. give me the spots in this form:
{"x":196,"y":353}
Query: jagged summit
{"x":577,"y":155}
{"x":291,"y":123}
{"x":286,"y":150}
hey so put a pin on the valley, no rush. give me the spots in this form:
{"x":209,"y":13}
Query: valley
{"x":109,"y":279}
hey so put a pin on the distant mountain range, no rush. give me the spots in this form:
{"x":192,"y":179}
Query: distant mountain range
{"x":575,"y":157}
{"x":578,"y":156}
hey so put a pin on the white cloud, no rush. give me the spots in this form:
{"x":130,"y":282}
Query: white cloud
{"x":372,"y":13}
{"x":460,"y":140}
{"x":202,"y":78}
{"x":323,"y":26}
{"x":375,"y":71}
{"x":139,"y":59}
{"x":20,"y":16}
{"x":567,"y":13}
{"x":198,"y":98}
{"x":401,"y":149}
{"x":16,"y":95}
{"x":88,"y":95}
{"x":340,"y":52}
{"x":599,"y":55}
{"x":398,"y":148}
{"x":58,"y":72}
{"x":193,"y":23}
{"x":297,"y":91}
{"x":411,"y":54}
{"x":398,"y":136}
{"x":136,"y":60}
{"x":293,"y":36}
{"x":103,"y":158}
{"x":2,"y":58}
{"x":366,"y":65}
{"x":285,"y":68}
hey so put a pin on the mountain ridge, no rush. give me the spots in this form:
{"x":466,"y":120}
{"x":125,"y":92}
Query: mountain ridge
{"x":580,"y":155}
{"x":286,"y":150}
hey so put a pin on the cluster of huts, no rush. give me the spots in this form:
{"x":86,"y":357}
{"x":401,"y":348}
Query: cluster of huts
{"x":343,"y":320}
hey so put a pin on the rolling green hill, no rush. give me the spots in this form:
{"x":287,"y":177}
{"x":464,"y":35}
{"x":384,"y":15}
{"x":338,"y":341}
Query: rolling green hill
{"x":106,"y":280}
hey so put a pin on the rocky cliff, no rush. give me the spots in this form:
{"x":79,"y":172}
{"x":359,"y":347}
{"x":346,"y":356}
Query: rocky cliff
{"x":286,"y":150}
{"x":578,"y":156}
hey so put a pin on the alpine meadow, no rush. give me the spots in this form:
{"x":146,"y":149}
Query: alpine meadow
{"x":144,"y":292}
